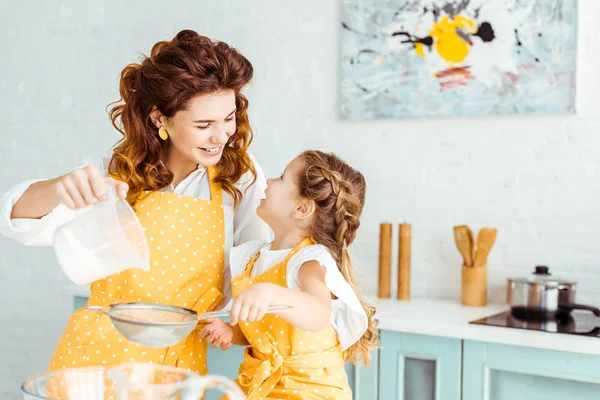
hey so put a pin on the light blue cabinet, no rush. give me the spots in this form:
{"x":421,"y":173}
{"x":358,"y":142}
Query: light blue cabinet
{"x":224,"y":363}
{"x":79,"y":302}
{"x":419,"y":367}
{"x":501,"y":372}
{"x":364,"y":380}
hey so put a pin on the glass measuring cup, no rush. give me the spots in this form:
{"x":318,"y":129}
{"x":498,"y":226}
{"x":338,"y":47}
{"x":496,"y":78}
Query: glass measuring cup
{"x":139,"y":381}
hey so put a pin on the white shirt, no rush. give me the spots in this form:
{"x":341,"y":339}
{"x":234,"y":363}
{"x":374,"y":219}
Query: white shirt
{"x":241,"y":225}
{"x":348,"y":317}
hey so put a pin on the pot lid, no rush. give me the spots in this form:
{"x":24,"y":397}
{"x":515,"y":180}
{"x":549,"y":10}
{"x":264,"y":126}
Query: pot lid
{"x":541,"y":275}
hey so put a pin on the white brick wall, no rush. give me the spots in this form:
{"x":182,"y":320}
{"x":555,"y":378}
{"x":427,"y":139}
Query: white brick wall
{"x":535,"y":178}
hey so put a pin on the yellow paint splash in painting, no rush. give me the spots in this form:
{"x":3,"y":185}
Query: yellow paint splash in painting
{"x":448,"y":44}
{"x":420,"y":50}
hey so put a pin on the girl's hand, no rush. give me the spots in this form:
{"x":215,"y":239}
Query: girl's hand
{"x":85,"y":186}
{"x":217,"y":333}
{"x":252,"y":304}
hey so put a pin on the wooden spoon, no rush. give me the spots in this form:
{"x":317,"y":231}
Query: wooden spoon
{"x":471,"y":245}
{"x":485,"y":240}
{"x":465,"y":246}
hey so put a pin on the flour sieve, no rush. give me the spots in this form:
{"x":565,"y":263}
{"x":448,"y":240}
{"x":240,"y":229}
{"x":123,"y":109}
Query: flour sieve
{"x":159,"y":325}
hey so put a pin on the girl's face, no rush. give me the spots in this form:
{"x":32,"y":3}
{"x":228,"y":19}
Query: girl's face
{"x":201,"y":131}
{"x":282,"y":197}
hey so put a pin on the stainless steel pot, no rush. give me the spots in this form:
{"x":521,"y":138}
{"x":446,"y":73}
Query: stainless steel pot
{"x":541,"y":296}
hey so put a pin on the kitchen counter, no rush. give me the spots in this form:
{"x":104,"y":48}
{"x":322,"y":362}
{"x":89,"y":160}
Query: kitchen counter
{"x":451,"y":319}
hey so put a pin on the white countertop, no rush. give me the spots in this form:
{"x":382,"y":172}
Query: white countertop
{"x":451,"y":319}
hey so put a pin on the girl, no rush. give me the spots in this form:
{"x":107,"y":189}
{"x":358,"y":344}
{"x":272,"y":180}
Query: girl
{"x":183,"y":164}
{"x":313,"y":209}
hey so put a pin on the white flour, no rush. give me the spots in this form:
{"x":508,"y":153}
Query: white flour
{"x":158,"y":337}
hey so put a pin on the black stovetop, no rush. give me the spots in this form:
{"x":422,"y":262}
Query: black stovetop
{"x":581,"y":323}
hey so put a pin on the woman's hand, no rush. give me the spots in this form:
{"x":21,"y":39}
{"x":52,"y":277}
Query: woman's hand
{"x":85,"y":186}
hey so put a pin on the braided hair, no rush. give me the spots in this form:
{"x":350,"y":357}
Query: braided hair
{"x":338,"y":191}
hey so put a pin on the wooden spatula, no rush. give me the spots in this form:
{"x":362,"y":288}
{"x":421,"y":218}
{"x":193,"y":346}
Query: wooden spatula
{"x":485,"y":240}
{"x":464,"y":244}
{"x":471,"y":245}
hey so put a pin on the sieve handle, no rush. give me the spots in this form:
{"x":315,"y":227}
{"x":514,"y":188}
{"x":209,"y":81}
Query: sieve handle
{"x":99,"y":309}
{"x":225,"y":313}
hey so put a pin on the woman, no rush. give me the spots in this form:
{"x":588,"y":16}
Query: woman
{"x":184,"y":167}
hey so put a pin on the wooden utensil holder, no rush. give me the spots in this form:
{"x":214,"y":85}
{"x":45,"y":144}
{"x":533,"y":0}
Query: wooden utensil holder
{"x":474,"y":286}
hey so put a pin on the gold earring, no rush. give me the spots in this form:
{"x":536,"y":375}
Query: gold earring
{"x":162,"y":132}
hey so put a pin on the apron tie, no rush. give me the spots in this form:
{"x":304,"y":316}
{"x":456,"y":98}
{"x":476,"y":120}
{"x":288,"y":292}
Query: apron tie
{"x":264,"y":363}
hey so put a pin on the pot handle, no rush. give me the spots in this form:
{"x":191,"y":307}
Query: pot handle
{"x":570,"y":307}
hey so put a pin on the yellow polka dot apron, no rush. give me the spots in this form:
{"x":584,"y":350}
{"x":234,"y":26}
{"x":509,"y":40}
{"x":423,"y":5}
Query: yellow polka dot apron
{"x":284,"y":362}
{"x":186,"y":240}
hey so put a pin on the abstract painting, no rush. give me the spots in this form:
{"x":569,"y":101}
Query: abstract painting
{"x":427,"y":58}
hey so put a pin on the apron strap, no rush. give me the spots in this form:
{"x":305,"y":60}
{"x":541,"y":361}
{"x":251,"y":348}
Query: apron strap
{"x":216,"y":191}
{"x":251,"y":263}
{"x":305,"y":242}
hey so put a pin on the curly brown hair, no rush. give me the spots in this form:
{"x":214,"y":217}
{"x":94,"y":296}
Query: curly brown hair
{"x":175,"y":72}
{"x":338,"y":191}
